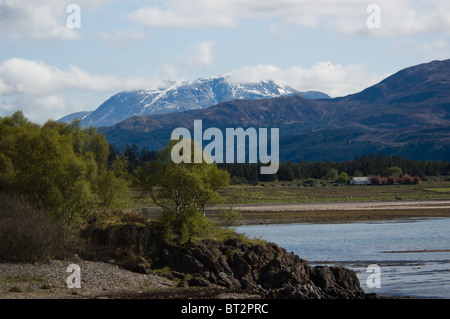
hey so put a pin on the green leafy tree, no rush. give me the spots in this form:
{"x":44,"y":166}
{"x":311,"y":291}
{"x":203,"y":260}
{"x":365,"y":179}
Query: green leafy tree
{"x":343,"y":178}
{"x":394,"y":171}
{"x":182,"y":190}
{"x":58,"y":167}
{"x":332,"y":174}
{"x":112,"y":185}
{"x":175,"y":187}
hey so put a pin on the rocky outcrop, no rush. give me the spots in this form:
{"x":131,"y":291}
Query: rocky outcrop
{"x":264,"y":268}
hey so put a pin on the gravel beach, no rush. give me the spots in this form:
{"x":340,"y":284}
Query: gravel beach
{"x":48,"y":280}
{"x":98,"y":281}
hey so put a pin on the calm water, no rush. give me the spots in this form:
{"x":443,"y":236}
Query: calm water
{"x":390,"y":244}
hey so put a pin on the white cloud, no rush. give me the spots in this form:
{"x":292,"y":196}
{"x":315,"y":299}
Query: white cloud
{"x":35,"y":20}
{"x":6,"y":108}
{"x":41,"y":90}
{"x":345,"y":17}
{"x":34,"y":85}
{"x":333,"y":79}
{"x":433,"y":49}
{"x":200,"y":55}
{"x":41,"y":20}
{"x":19,"y":76}
{"x":46,"y":19}
{"x":190,"y":14}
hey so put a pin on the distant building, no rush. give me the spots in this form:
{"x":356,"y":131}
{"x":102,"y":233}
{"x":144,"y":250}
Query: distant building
{"x":361,"y":181}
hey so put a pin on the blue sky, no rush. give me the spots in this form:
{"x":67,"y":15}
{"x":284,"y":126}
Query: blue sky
{"x":49,"y":70}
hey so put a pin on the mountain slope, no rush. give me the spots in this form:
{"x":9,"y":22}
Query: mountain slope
{"x":187,"y":95}
{"x":408,"y":113}
{"x":417,"y":95}
{"x":74,"y":116}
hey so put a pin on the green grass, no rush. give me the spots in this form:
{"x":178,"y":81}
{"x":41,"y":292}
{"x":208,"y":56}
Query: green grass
{"x":288,"y":194}
{"x":439,"y":189}
{"x":166,"y":271}
{"x":15,"y":289}
{"x":296,"y":192}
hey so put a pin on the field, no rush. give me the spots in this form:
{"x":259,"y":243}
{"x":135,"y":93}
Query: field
{"x":290,"y":203}
{"x":291,"y":193}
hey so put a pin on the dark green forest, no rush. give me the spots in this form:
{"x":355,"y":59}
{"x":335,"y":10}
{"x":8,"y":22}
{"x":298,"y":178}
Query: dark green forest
{"x":365,"y":165}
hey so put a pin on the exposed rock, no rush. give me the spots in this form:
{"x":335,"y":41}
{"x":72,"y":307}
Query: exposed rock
{"x":265,"y":268}
{"x":191,"y":265}
{"x":198,"y":281}
{"x":322,"y":276}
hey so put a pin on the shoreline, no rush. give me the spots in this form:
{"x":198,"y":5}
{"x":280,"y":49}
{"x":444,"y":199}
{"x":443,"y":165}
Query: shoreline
{"x":379,"y":215}
{"x":345,"y":213}
{"x":339,"y":216}
{"x":327,"y":212}
{"x":123,"y":284}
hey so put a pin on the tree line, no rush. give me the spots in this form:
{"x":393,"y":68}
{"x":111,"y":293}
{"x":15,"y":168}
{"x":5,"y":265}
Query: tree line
{"x":366,"y":165}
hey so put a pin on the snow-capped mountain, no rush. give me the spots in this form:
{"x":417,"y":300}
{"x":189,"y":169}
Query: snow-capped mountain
{"x":181,"y":96}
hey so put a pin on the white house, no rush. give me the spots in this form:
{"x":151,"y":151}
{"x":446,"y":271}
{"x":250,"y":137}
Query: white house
{"x":361,"y":181}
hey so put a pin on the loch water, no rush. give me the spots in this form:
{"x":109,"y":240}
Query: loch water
{"x":413,"y":254}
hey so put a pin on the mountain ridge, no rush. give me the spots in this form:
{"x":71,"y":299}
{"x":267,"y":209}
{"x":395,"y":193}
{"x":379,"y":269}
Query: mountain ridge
{"x":406,"y":113}
{"x":181,"y":96}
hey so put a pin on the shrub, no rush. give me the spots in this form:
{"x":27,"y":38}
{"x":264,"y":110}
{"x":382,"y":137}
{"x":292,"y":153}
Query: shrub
{"x":229,"y":218}
{"x":26,"y":233}
{"x":394,"y":171}
{"x":332,"y":174}
{"x":343,"y":178}
{"x":376,"y":180}
{"x":185,"y":224}
{"x":15,"y":289}
{"x":407,"y":179}
{"x":391,"y":180}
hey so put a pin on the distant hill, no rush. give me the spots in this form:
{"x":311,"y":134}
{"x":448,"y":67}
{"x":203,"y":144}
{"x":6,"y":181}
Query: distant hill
{"x":181,"y":96}
{"x":408,"y":113}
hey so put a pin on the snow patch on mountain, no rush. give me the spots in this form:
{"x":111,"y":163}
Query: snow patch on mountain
{"x":184,"y":95}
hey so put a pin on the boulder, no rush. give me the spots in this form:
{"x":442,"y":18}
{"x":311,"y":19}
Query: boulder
{"x":198,"y":281}
{"x":322,"y":277}
{"x":191,"y":265}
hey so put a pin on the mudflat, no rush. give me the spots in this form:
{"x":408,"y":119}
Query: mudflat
{"x":335,"y":212}
{"x":372,"y":205}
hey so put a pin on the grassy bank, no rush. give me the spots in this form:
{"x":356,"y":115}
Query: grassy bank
{"x":291,"y":193}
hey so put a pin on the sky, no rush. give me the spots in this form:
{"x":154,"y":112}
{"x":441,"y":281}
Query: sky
{"x":58,"y":57}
